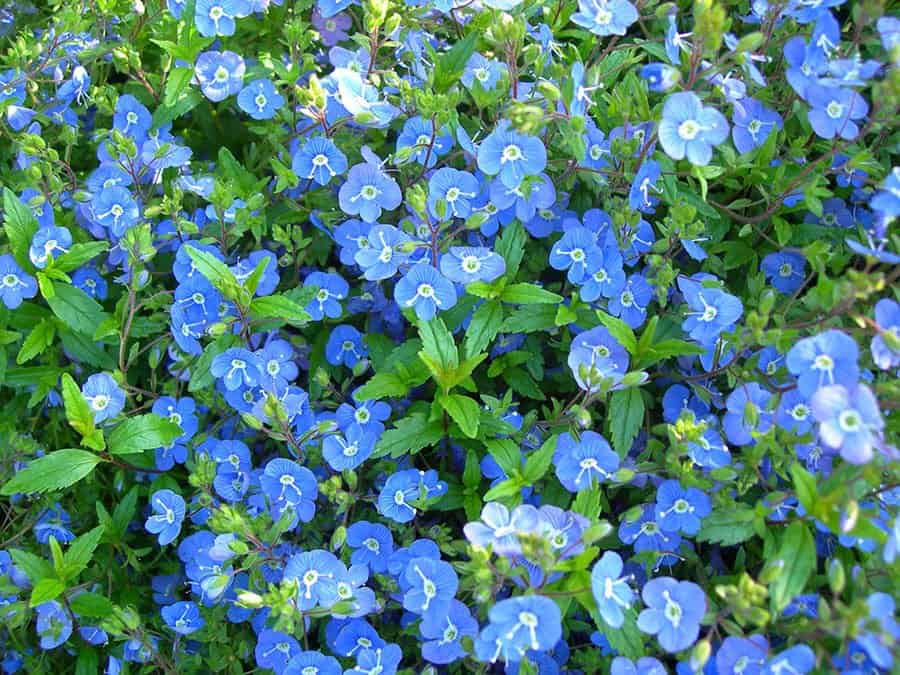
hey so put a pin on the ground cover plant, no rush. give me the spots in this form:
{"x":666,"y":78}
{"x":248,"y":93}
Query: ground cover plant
{"x":452,"y":336}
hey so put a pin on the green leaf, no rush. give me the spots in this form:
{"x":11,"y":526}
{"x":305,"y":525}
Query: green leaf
{"x":79,"y":413}
{"x":20,"y":225}
{"x":383,"y":385}
{"x":464,"y":411}
{"x":450,"y":65}
{"x":530,"y":319}
{"x":144,"y":432}
{"x":88,"y":662}
{"x":472,"y":472}
{"x":216,"y":272}
{"x":37,"y":341}
{"x":626,"y":414}
{"x":507,"y":454}
{"x":728,"y":527}
{"x":504,"y":489}
{"x":35,"y":567}
{"x":511,"y":245}
{"x":201,"y":378}
{"x":45,"y":590}
{"x":664,"y":350}
{"x":804,"y":486}
{"x":439,"y":352}
{"x":79,"y":254}
{"x":409,"y":435}
{"x":529,"y":294}
{"x":279,"y":307}
{"x":797,"y":560}
{"x":620,"y":330}
{"x":75,"y":308}
{"x":538,"y":463}
{"x":178,"y":81}
{"x":54,"y":471}
{"x":483,"y":327}
{"x":78,"y":555}
{"x":92,"y":605}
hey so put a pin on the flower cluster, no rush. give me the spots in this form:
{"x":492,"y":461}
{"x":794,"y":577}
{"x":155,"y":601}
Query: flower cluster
{"x":365,"y":338}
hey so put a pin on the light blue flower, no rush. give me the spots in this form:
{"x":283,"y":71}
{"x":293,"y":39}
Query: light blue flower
{"x":104,"y":396}
{"x":260,"y":100}
{"x":326,"y":302}
{"x":216,"y":17}
{"x":220,"y":74}
{"x":611,"y":589}
{"x":288,"y":485}
{"x":319,"y":160}
{"x":605,"y":17}
{"x":456,"y":189}
{"x":317,"y":574}
{"x":585,"y":463}
{"x":519,"y":625}
{"x":168,"y":514}
{"x":367,"y":191}
{"x":237,"y":368}
{"x":849,"y":421}
{"x":511,"y":155}
{"x":689,"y":129}
{"x":467,"y":264}
{"x":673,"y":614}
{"x":15,"y":284}
{"x":383,"y":253}
{"x":424,"y":289}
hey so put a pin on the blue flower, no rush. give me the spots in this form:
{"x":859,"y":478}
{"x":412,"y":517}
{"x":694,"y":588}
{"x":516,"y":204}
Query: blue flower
{"x":289,"y":486}
{"x":405,"y":487}
{"x":53,"y":522}
{"x":785,"y":270}
{"x":424,"y":289}
{"x":753,"y":124}
{"x":274,"y":650}
{"x":605,"y":17}
{"x":260,"y":99}
{"x":183,"y":617}
{"x":486,"y":72}
{"x":679,"y":509}
{"x":849,"y":421}
{"x":748,"y":413}
{"x":216,"y":17}
{"x":646,"y":665}
{"x":639,"y":197}
{"x":347,"y":452}
{"x":645,"y":534}
{"x":511,"y":155}
{"x":605,"y":275}
{"x":48,"y":242}
{"x":742,"y":656}
{"x":431,"y":585}
{"x":220,"y":74}
{"x":367,"y":191}
{"x":378,"y":661}
{"x":794,"y":412}
{"x":16,"y":284}
{"x":317,"y":574}
{"x":53,"y":625}
{"x":688,"y":129}
{"x":835,"y":111}
{"x":372,"y":545}
{"x":104,"y":396}
{"x":831,"y":357}
{"x":326,"y":302}
{"x":611,"y":589}
{"x":532,"y":196}
{"x":500,"y":530}
{"x":345,"y":346}
{"x":444,"y":634}
{"x":581,"y":465}
{"x":312,"y":663}
{"x":711,"y":311}
{"x":455,"y":189}
{"x":597,"y":359}
{"x":383,"y":253}
{"x":798,"y":659}
{"x":168,"y":514}
{"x":673,"y":614}
{"x":886,"y":343}
{"x":519,"y":625}
{"x":425,"y":143}
{"x":466,"y":264}
{"x":575,"y":252}
{"x":277,"y":366}
{"x":237,"y":368}
{"x":115,"y":209}
{"x":660,"y":77}
{"x":361,"y":99}
{"x":319,"y":160}
{"x":630,"y":304}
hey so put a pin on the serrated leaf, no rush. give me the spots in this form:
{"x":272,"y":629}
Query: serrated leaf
{"x":511,"y":245}
{"x":34,"y":567}
{"x":507,"y":454}
{"x":215,"y":271}
{"x":20,"y":225}
{"x":538,"y":463}
{"x":75,"y":308}
{"x":40,"y":337}
{"x":279,"y":307}
{"x":409,"y":435}
{"x":91,"y":604}
{"x":54,"y":471}
{"x":483,"y":327}
{"x":529,"y":294}
{"x":728,"y":527}
{"x":78,"y":411}
{"x":144,"y":432}
{"x":626,"y":414}
{"x":797,"y":559}
{"x":464,"y":411}
{"x":530,"y":319}
{"x":79,"y":254}
{"x":46,"y":590}
{"x":78,"y":555}
{"x":449,"y":66}
{"x":620,"y":330}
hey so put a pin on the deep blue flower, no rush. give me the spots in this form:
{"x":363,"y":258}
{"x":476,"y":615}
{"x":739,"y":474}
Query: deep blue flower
{"x":372,"y":545}
{"x":260,"y":99}
{"x":379,"y":661}
{"x":679,"y":509}
{"x":426,"y":290}
{"x":104,"y":396}
{"x":831,"y":357}
{"x":631,"y":303}
{"x":183,"y":617}
{"x":466,"y":264}
{"x":345,"y":346}
{"x":748,"y":413}
{"x":646,"y":665}
{"x":639,"y":197}
{"x":605,"y":275}
{"x":319,"y":160}
{"x":605,"y":17}
{"x":711,"y":311}
{"x":425,"y":143}
{"x":673,"y":614}
{"x":348,"y":451}
{"x":274,"y":650}
{"x":431,"y":585}
{"x":444,"y":634}
{"x":405,"y":487}
{"x":799,"y":659}
{"x":742,"y":656}
{"x":133,"y":120}
{"x":277,"y":366}
{"x":317,"y":574}
{"x":611,"y":589}
{"x":237,"y":368}
{"x":511,"y":155}
{"x":645,"y":534}
{"x":326,"y":302}
{"x":383,"y":254}
{"x":168,"y":514}
{"x":519,"y":625}
{"x":220,"y":74}
{"x":689,"y":129}
{"x":115,"y":209}
{"x":367,"y":191}
{"x":660,"y":77}
{"x":16,"y":284}
{"x":53,"y":522}
{"x":785,"y":270}
{"x":575,"y":252}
